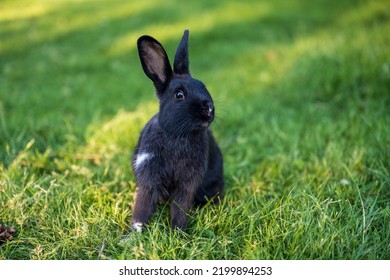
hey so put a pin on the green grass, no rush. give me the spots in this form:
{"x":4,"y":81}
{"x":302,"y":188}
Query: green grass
{"x":302,"y":92}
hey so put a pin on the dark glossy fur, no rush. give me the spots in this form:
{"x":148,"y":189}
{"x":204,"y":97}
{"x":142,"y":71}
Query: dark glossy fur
{"x":176,"y":158}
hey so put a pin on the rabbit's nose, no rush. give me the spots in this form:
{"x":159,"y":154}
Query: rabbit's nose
{"x":208,"y":107}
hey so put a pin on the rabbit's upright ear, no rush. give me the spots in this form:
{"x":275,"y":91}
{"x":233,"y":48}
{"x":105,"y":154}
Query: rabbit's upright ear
{"x":154,"y":61}
{"x":181,"y":63}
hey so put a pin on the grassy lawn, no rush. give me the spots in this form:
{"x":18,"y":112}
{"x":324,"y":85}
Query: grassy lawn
{"x":302,"y":94}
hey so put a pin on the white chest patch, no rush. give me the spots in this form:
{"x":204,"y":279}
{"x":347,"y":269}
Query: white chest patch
{"x":141,"y":158}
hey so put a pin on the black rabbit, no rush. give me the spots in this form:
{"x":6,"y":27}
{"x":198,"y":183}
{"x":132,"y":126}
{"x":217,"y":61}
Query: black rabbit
{"x":176,"y":158}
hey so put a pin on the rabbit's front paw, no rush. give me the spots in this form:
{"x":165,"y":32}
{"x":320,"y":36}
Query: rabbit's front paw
{"x":137,"y":226}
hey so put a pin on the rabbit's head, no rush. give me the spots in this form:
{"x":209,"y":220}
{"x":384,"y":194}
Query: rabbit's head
{"x":185,"y":103}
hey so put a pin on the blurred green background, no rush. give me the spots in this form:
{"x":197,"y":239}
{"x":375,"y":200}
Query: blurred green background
{"x":302,"y":102}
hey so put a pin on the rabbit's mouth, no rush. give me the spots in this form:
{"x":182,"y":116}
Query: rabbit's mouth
{"x":205,"y":124}
{"x":207,"y":119}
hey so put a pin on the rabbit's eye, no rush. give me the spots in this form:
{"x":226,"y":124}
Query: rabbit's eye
{"x":179,"y":95}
